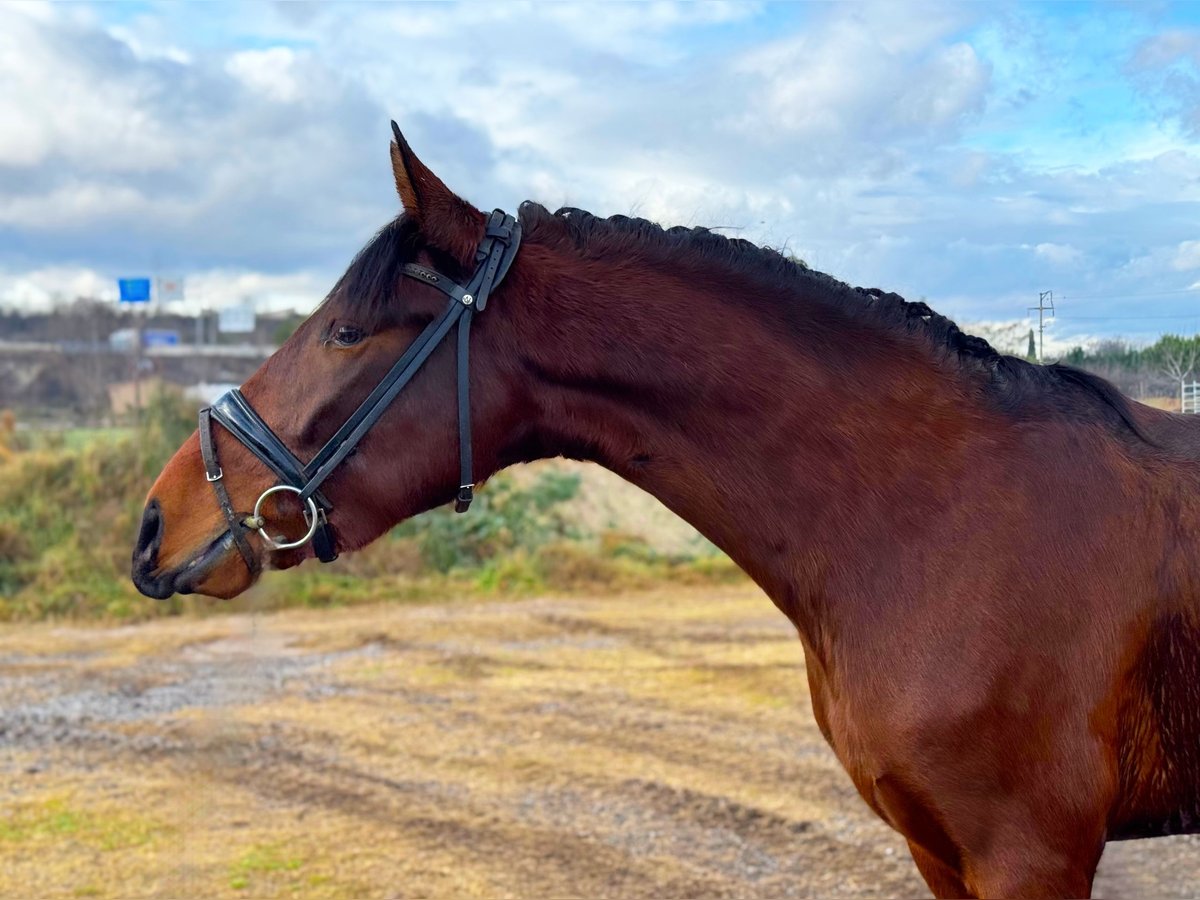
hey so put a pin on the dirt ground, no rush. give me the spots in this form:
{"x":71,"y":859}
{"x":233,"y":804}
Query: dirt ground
{"x":654,"y":745}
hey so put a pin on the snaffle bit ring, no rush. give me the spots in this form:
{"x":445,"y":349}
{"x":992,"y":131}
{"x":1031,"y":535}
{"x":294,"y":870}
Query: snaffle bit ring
{"x":282,"y":543}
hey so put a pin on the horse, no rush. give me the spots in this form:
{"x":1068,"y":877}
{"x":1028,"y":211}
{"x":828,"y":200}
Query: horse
{"x":990,"y":564}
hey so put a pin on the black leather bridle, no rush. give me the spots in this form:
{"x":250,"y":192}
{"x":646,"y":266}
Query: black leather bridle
{"x":502,"y":238}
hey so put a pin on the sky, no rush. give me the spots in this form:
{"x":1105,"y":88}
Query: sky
{"x":969,"y":154}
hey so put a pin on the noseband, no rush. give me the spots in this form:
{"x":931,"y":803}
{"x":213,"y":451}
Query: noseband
{"x":233,"y":411}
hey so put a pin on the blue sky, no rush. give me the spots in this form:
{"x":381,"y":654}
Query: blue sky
{"x":971,"y":154}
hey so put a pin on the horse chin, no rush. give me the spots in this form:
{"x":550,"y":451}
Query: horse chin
{"x":287,"y":559}
{"x":217,"y":571}
{"x":224,"y":583}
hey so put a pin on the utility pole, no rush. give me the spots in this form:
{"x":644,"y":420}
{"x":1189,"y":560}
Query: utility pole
{"x":1044,"y":298}
{"x":138,"y":328}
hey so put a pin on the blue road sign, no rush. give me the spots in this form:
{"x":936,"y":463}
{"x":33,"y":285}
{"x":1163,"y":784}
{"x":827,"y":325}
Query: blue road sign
{"x":134,"y":290}
{"x":160,"y":337}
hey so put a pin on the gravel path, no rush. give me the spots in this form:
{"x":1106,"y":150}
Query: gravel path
{"x":636,"y":746}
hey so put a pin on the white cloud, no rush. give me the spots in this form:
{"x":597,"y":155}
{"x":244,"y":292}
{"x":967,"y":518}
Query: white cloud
{"x":858,"y":80}
{"x":1167,"y":66}
{"x":1059,"y":254}
{"x":1187,"y":256}
{"x":638,"y":31}
{"x":1167,"y":47}
{"x":212,"y":289}
{"x":75,"y":94}
{"x":1011,"y":336}
{"x":120,"y":156}
{"x":863,"y":137}
{"x":272,"y":72}
{"x":39,"y":288}
{"x":220,"y":287}
{"x":73,"y":202}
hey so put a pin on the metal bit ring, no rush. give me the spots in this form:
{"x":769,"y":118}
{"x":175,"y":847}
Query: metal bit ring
{"x":282,"y":543}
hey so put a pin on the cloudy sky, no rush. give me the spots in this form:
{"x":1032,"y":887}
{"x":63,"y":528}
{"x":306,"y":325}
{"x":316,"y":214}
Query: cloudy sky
{"x":972,"y":154}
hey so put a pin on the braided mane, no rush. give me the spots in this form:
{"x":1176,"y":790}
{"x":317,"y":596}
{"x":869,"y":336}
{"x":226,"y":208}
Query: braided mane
{"x":1013,"y":384}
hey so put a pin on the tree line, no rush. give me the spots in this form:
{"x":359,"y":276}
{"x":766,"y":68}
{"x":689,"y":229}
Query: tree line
{"x":1142,"y":371}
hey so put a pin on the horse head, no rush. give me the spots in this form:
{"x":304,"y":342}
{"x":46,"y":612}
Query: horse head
{"x":321,"y":416}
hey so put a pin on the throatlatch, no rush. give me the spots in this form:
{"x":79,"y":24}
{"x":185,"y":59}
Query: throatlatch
{"x":497,"y":250}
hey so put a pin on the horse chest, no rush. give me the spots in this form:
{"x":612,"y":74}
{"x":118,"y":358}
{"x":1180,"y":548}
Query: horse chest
{"x":842,"y":729}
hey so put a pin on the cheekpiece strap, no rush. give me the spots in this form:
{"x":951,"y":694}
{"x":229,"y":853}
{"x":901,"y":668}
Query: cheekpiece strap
{"x":216,"y":477}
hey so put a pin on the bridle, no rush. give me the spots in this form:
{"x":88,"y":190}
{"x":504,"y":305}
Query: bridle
{"x":502,"y":238}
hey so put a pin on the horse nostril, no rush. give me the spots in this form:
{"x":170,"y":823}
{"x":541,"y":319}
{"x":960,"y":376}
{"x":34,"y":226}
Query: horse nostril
{"x":145,"y":556}
{"x":150,"y":534}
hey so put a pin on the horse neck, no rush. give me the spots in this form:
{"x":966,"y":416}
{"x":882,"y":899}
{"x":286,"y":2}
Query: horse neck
{"x":792,"y":442}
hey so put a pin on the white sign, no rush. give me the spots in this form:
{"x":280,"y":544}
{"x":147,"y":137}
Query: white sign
{"x":237,"y":319}
{"x":169,"y":288}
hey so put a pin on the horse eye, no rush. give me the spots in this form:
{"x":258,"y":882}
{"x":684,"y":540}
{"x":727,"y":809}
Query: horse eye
{"x":348,"y":336}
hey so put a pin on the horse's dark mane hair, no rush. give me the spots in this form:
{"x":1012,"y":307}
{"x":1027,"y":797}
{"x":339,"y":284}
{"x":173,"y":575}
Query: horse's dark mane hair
{"x":1010,"y":381}
{"x":368,"y":287}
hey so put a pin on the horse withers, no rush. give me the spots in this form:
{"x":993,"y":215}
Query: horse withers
{"x":991,"y":564}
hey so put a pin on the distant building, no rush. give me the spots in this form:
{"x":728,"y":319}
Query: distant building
{"x":122,"y":395}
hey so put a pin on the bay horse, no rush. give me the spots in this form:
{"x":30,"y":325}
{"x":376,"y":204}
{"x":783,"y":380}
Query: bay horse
{"x":991,"y":564}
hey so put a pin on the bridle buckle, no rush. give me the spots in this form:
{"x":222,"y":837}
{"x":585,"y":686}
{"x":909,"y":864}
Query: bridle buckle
{"x":466,"y":493}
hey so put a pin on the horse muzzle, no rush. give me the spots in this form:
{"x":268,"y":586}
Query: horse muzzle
{"x":185,"y":579}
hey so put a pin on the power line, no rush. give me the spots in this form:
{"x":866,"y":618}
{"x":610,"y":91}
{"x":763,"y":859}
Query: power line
{"x":1191,"y":290}
{"x":1191,"y":315}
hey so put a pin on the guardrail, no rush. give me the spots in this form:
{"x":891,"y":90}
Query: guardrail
{"x":243,"y":351}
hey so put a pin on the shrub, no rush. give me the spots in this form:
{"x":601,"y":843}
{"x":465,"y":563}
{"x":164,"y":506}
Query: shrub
{"x":503,"y":518}
{"x":69,"y":513}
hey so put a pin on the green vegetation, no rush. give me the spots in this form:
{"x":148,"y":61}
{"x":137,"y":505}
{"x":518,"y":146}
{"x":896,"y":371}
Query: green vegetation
{"x":70,"y":508}
{"x":1154,"y":371}
{"x":68,"y":514}
{"x":1158,"y":356}
{"x":70,"y":438}
{"x":503,"y":519}
{"x":264,"y":859}
{"x":52,"y":819}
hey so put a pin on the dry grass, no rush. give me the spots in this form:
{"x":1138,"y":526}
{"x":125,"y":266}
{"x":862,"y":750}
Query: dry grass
{"x":643,"y":745}
{"x":1170,"y":404}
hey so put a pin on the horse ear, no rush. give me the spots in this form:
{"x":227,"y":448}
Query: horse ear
{"x":447,"y":222}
